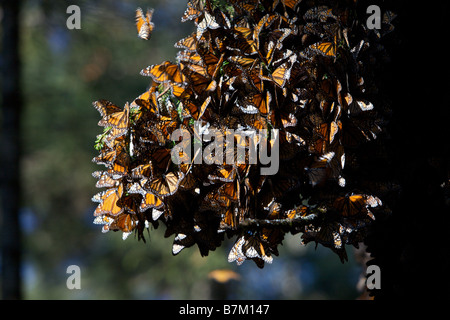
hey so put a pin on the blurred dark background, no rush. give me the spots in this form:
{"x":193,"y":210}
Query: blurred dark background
{"x":62,"y":72}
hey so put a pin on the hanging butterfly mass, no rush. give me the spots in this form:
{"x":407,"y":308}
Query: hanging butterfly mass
{"x":285,"y":68}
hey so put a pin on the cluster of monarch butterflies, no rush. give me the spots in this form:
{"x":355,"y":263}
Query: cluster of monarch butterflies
{"x":302,"y":68}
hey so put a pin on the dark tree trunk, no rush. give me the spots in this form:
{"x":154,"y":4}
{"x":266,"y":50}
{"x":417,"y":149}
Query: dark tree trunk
{"x":10,"y":151}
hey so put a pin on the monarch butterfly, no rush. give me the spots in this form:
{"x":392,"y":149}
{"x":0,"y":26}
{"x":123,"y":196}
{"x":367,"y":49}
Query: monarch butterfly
{"x":280,"y":75}
{"x":108,"y":204}
{"x":236,"y":253}
{"x":228,"y":217}
{"x":283,"y":72}
{"x":165,"y":72}
{"x":274,"y":209}
{"x":181,"y":92}
{"x":326,"y":234}
{"x":255,"y":121}
{"x":274,"y":41}
{"x":208,"y":22}
{"x":189,"y":44}
{"x":319,"y":171}
{"x":245,"y":7}
{"x":106,"y":108}
{"x":300,"y":211}
{"x":326,"y":133}
{"x":358,"y":106}
{"x":243,"y":32}
{"x":212,"y":63}
{"x":150,"y":201}
{"x":200,"y":83}
{"x":193,"y":11}
{"x":243,"y":62}
{"x":195,"y":111}
{"x":104,"y":180}
{"x":278,"y":186}
{"x":116,"y":125}
{"x":253,"y":248}
{"x":264,"y":22}
{"x":165,"y":126}
{"x":109,"y":155}
{"x":350,"y":205}
{"x":136,"y":188}
{"x":161,"y":159}
{"x":351,"y":134}
{"x":321,"y":13}
{"x":156,"y":214}
{"x":222,"y":18}
{"x":244,"y":46}
{"x":230,"y":190}
{"x":149,"y":106}
{"x":121,"y":163}
{"x":373,"y":201}
{"x":325,"y":48}
{"x":225,"y":173}
{"x":288,"y":119}
{"x":144,"y":23}
{"x":118,"y":120}
{"x":193,"y":60}
{"x":292,"y":4}
{"x":124,"y":222}
{"x":258,"y":101}
{"x":181,"y":241}
{"x":254,"y":77}
{"x":166,"y":185}
{"x":197,"y":68}
{"x":190,"y":182}
{"x":105,"y":220}
{"x":142,"y":171}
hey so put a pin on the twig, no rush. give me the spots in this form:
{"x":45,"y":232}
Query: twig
{"x":276,"y":223}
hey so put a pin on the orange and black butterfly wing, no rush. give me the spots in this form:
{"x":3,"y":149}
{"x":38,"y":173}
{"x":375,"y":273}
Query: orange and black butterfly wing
{"x":144,"y":23}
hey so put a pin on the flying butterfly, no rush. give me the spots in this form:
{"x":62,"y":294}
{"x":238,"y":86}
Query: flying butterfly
{"x":144,"y":23}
